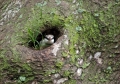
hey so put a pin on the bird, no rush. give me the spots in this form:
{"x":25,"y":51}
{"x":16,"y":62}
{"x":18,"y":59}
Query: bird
{"x":47,"y":41}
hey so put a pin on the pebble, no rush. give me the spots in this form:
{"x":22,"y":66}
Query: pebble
{"x":77,"y":51}
{"x":99,"y":60}
{"x":97,"y":55}
{"x":60,"y":81}
{"x":66,"y":41}
{"x":80,"y":61}
{"x":56,"y":75}
{"x":79,"y":71}
{"x":90,"y":57}
{"x":116,"y":46}
{"x":56,"y":47}
{"x":74,"y":1}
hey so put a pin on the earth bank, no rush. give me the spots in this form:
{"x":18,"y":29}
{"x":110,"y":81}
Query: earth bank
{"x":86,"y":53}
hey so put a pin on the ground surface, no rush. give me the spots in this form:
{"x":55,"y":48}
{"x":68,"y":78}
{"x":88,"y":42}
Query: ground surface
{"x":99,"y":65}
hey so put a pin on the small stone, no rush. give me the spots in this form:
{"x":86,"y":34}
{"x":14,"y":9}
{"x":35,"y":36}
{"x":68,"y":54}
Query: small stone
{"x":56,"y":75}
{"x":97,"y":55}
{"x":29,"y":60}
{"x":66,"y":42}
{"x":77,"y":51}
{"x":99,"y":60}
{"x":74,"y":1}
{"x":80,"y":61}
{"x":60,"y":81}
{"x":79,"y":71}
{"x":56,"y":47}
{"x":117,"y":52}
{"x":65,"y":36}
{"x":90,"y":57}
{"x":116,"y":46}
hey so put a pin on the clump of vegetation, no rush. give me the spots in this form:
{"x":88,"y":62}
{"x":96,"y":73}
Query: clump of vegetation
{"x":97,"y":79}
{"x":59,"y":64}
{"x":73,"y":29}
{"x":66,"y":73}
{"x":98,"y":29}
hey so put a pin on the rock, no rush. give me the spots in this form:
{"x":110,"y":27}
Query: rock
{"x":57,"y":75}
{"x":60,"y":81}
{"x":66,"y":42}
{"x":97,"y":55}
{"x":99,"y":60}
{"x":54,"y":77}
{"x":74,"y":1}
{"x":90,"y":57}
{"x":77,"y":51}
{"x":79,"y":72}
{"x":56,"y":48}
{"x":80,"y":61}
{"x":116,"y":46}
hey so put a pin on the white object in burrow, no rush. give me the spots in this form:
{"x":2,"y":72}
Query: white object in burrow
{"x":79,"y":72}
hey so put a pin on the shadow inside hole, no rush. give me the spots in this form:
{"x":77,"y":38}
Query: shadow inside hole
{"x":51,"y":31}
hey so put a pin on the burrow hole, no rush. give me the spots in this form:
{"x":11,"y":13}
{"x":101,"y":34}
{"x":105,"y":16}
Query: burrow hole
{"x":54,"y":31}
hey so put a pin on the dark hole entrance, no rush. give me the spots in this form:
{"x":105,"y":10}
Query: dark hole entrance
{"x":47,"y":38}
